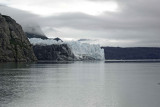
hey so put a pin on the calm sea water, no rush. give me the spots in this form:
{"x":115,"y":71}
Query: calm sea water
{"x":80,"y":84}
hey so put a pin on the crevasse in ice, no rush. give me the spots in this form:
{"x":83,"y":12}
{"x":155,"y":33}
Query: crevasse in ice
{"x":80,"y":50}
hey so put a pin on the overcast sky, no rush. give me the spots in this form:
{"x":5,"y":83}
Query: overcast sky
{"x":125,"y":23}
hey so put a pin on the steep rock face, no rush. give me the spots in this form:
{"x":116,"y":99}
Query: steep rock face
{"x":56,"y":52}
{"x":14,"y":45}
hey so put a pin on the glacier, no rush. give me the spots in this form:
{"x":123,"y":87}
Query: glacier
{"x":82,"y":51}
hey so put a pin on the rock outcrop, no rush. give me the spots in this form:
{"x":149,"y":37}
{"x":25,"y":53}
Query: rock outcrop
{"x":58,"y":39}
{"x":14,"y":45}
{"x":56,"y":52}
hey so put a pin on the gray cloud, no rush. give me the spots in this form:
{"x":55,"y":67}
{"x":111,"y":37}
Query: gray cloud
{"x":19,"y":15}
{"x":136,"y":21}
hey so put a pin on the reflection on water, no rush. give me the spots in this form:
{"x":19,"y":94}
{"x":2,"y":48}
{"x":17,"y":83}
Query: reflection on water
{"x":79,"y":84}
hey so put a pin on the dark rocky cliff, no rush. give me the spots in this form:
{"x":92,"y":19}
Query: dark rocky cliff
{"x":14,"y":45}
{"x":53,"y":52}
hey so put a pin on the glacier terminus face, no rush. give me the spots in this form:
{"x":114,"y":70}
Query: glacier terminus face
{"x":86,"y":51}
{"x":82,"y":51}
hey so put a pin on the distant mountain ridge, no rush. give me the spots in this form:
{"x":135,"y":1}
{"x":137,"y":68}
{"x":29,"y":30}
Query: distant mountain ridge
{"x":131,"y":53}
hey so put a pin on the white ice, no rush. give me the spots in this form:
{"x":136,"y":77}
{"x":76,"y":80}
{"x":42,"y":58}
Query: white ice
{"x":80,"y":50}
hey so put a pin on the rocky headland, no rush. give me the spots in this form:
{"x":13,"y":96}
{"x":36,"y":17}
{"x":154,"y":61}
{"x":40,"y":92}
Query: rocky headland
{"x":14,"y":44}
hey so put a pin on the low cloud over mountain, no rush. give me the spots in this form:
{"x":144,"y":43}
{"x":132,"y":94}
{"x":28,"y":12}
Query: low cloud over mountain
{"x":134,"y":23}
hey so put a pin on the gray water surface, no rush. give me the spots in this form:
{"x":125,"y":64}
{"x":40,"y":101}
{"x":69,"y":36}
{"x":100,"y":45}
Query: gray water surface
{"x":80,"y":84}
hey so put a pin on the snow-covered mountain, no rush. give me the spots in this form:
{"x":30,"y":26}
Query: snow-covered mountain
{"x":82,"y":51}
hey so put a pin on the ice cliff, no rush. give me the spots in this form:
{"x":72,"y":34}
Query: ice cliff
{"x":81,"y":51}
